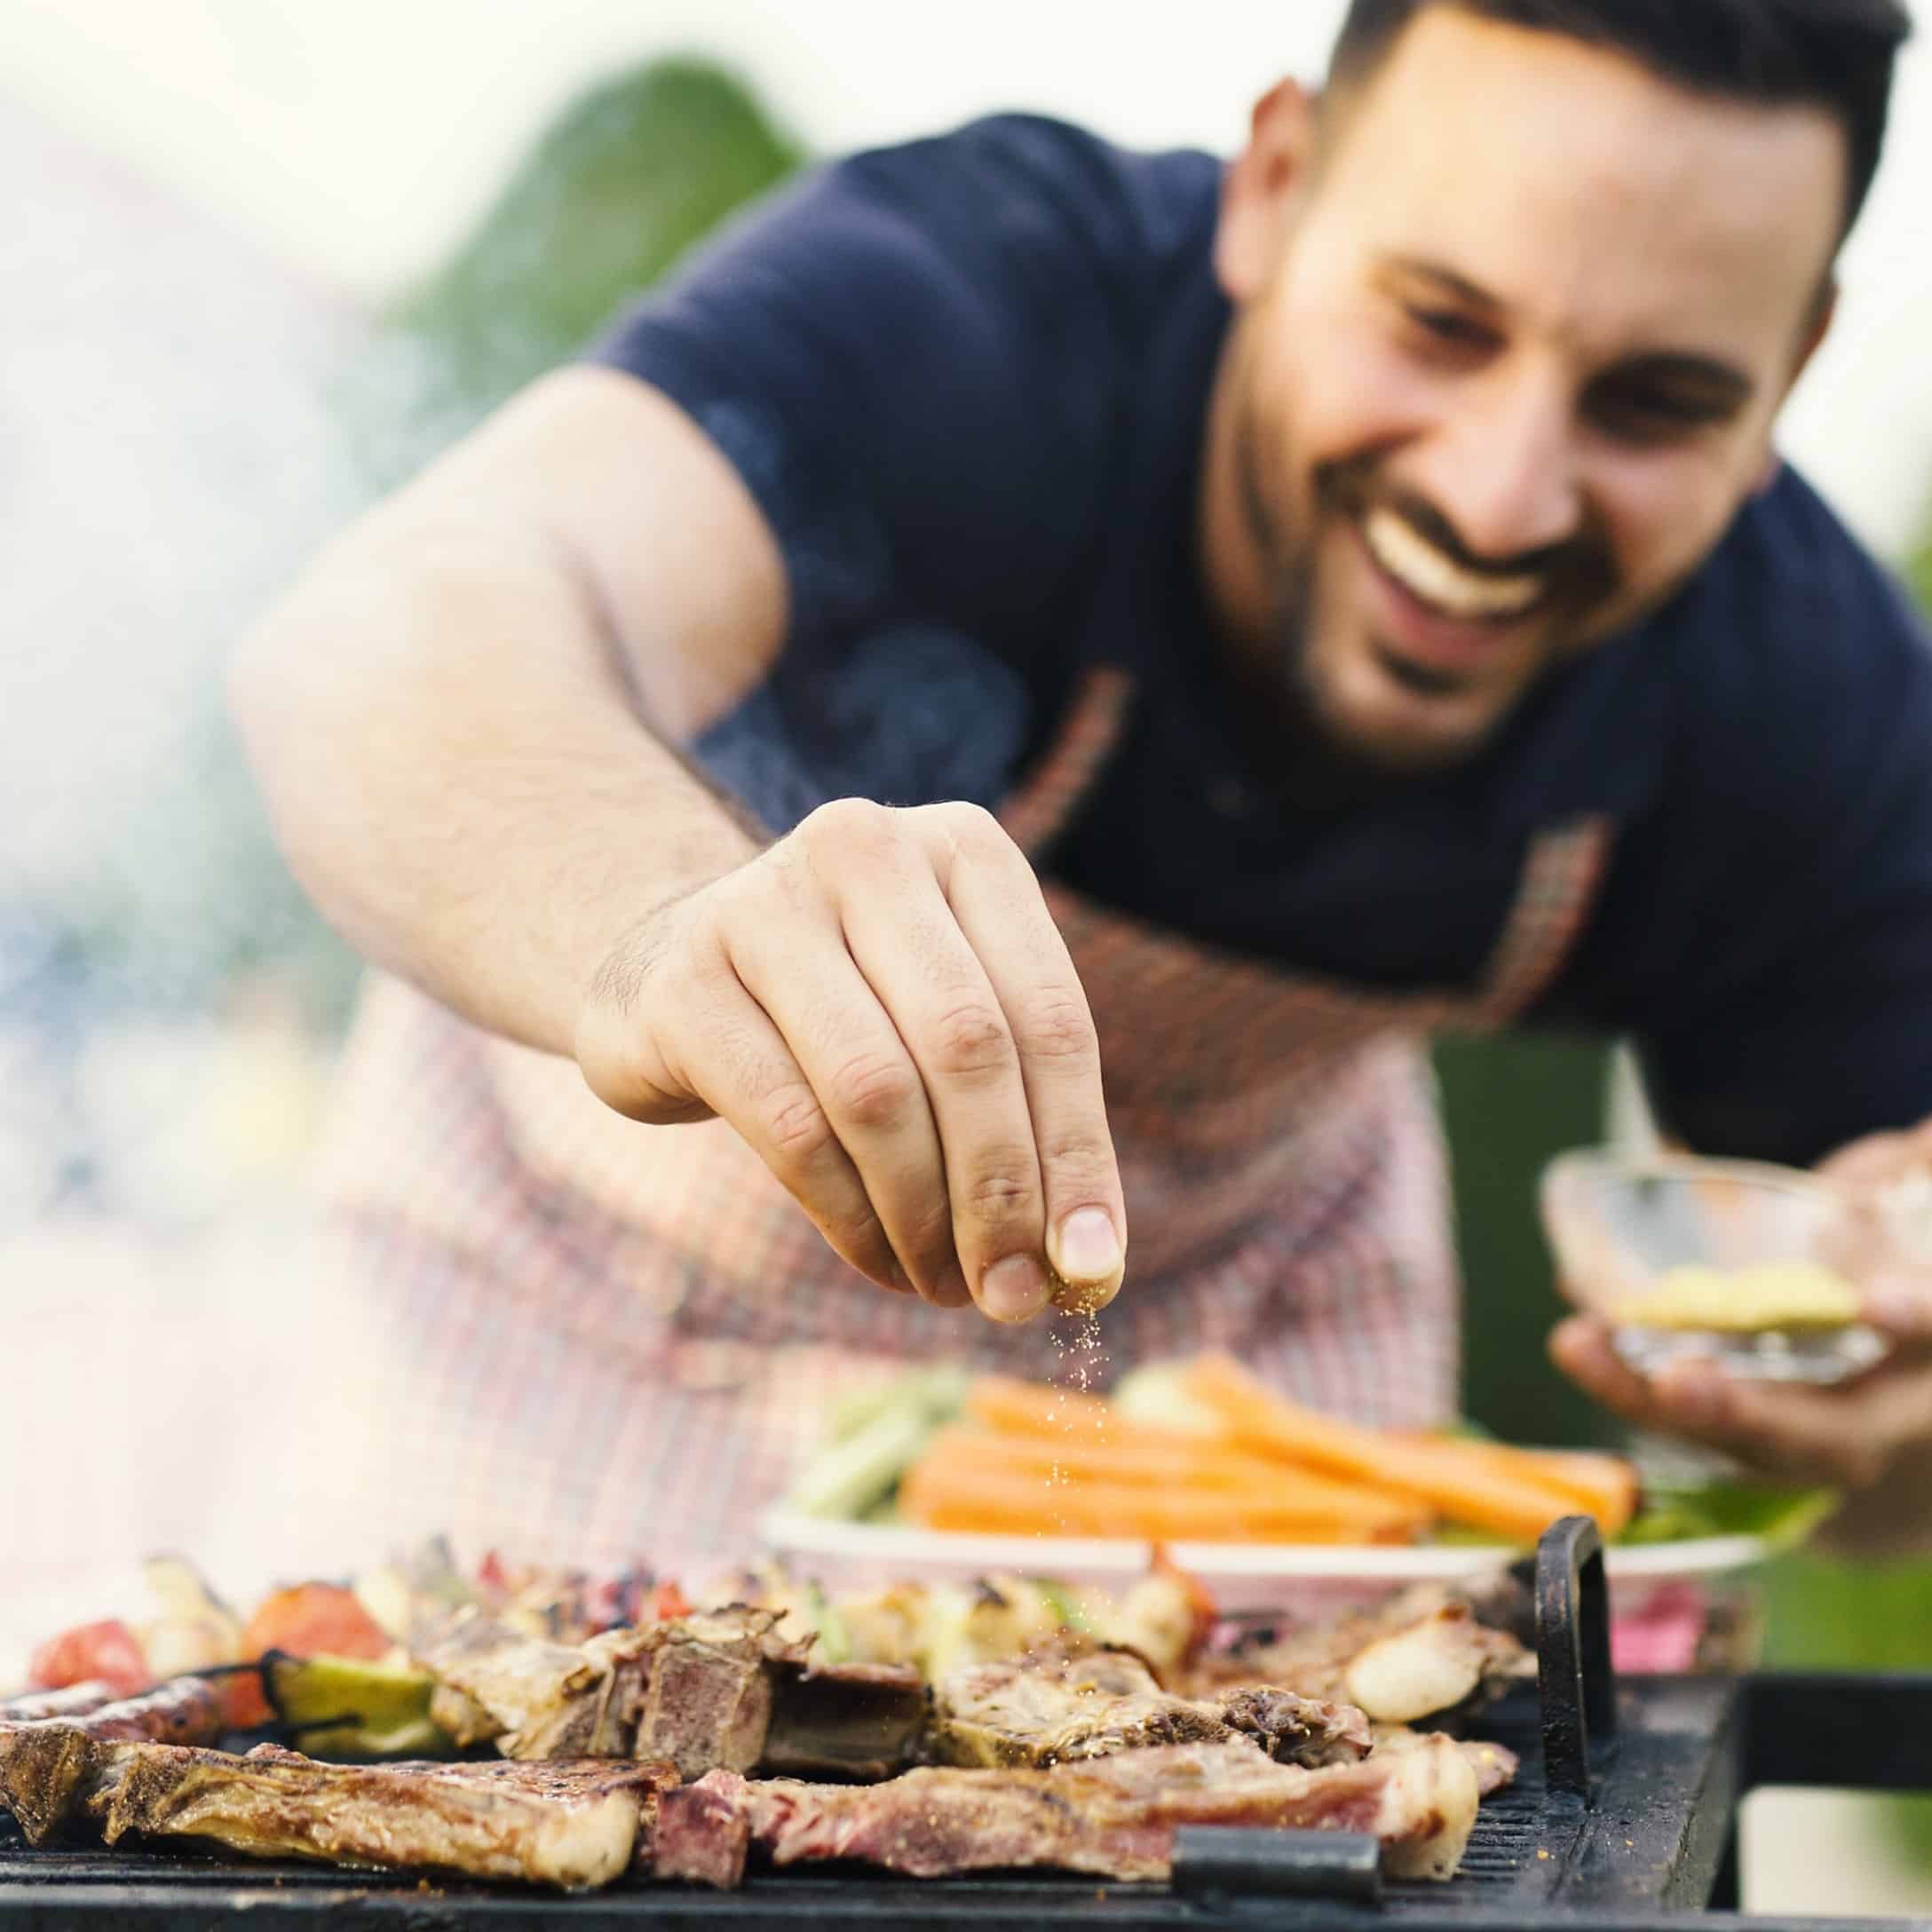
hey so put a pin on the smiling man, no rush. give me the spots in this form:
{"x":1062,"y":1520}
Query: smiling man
{"x":1014,"y":608}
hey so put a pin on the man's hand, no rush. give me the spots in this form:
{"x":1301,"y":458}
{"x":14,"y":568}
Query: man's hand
{"x":881,"y":1005}
{"x":1871,"y":1434}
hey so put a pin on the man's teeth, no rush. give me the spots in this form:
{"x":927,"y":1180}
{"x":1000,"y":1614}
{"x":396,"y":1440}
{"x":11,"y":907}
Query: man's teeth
{"x":1428,"y":576}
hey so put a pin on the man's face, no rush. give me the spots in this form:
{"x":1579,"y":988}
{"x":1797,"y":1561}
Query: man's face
{"x":1513,"y":327}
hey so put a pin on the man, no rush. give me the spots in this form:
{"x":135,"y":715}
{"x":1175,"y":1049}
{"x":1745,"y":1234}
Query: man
{"x":1014,"y":607}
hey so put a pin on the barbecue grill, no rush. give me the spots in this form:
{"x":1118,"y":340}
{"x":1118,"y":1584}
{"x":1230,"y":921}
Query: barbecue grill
{"x":1624,"y":1817}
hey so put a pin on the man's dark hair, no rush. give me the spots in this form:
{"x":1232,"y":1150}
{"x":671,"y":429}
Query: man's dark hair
{"x":1836,"y":54}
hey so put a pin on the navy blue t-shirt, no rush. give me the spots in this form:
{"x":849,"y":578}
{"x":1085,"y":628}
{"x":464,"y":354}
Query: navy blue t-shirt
{"x":966,"y":381}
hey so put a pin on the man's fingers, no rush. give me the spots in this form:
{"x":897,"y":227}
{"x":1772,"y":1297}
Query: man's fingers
{"x":1844,"y":1434}
{"x":860,"y":1079}
{"x":739,"y":1063}
{"x":1900,"y":1302}
{"x":996,"y":899}
{"x":1580,"y":1347}
{"x":906,"y":942}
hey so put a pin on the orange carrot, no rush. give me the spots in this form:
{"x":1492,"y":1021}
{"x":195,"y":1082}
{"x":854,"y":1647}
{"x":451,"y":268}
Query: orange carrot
{"x":1262,"y":1484}
{"x":1463,"y":1489}
{"x":1033,"y":1408}
{"x":942,"y":1495}
{"x":1606,"y":1486}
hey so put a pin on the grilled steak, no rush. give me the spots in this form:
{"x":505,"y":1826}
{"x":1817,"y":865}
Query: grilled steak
{"x":1424,"y":1654}
{"x":1071,"y":1702}
{"x":44,"y":1758}
{"x":1115,"y":1817}
{"x":572,"y":1824}
{"x":496,"y":1683}
{"x":716,"y":1689}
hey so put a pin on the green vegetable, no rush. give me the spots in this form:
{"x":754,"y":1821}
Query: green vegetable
{"x":345,"y":1707}
{"x":939,"y":1392}
{"x":862,"y":1463}
{"x":1065,"y":1605}
{"x":847,"y":1478}
{"x":1783,"y":1517}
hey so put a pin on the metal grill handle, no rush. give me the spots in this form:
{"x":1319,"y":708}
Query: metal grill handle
{"x":1211,"y":1859}
{"x":1577,"y":1688}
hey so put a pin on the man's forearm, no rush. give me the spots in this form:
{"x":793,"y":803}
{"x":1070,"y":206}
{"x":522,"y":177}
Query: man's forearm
{"x":457,"y":775}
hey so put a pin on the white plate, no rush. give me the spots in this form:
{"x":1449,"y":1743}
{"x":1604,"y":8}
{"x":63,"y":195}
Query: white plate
{"x":1241,"y":1575}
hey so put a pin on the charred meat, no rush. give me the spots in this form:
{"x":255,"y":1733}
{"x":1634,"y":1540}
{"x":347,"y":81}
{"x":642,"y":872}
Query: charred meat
{"x":569,"y":1824}
{"x":1073,"y":1702}
{"x":1113,"y":1816}
{"x":1424,"y":1654}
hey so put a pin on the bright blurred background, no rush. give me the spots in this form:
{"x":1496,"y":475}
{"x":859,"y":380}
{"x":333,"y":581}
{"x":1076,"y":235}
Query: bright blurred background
{"x":261,"y":256}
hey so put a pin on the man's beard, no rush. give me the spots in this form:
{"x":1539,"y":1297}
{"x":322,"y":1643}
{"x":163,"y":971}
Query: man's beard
{"x":1319,"y":764}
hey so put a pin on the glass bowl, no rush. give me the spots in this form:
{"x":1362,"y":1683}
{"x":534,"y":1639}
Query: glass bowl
{"x":1617,"y":1225}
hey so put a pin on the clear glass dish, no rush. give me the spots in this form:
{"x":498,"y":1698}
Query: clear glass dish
{"x":1617,"y":1225}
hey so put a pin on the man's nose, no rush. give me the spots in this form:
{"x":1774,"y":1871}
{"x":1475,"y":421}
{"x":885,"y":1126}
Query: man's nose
{"x":1502,"y":467}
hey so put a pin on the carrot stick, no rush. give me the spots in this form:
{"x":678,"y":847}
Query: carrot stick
{"x":1262,"y":1483}
{"x":1463,"y":1489}
{"x":1606,"y":1486}
{"x":1032,"y":1408}
{"x":942,"y":1496}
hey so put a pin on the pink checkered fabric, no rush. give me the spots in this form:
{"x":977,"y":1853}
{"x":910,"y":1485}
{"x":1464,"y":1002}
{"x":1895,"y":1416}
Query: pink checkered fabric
{"x":621,"y":1340}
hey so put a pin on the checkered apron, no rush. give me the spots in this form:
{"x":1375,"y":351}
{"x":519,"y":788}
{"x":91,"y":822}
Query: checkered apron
{"x":611,"y":1342}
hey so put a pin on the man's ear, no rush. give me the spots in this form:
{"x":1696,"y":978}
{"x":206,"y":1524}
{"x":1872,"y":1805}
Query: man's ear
{"x":1259,"y":191}
{"x":1816,"y":330}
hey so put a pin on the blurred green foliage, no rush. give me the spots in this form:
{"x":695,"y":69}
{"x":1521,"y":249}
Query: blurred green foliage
{"x":633,"y":174}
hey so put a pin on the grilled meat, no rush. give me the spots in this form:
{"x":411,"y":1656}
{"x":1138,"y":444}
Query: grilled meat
{"x":1422,"y":1655}
{"x":716,"y":1689}
{"x":75,"y":1701}
{"x":1496,"y":1765}
{"x":861,"y":1720}
{"x":571,"y":1825}
{"x":939,"y":1628}
{"x":496,"y":1683}
{"x":44,"y":1761}
{"x":1115,"y":1817}
{"x":1073,"y":1702}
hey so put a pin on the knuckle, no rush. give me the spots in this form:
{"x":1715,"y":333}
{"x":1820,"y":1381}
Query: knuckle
{"x":873,"y":1090}
{"x":971,"y":1038}
{"x":849,"y":825}
{"x":796,"y":1126}
{"x":1083,"y":1161}
{"x":965,"y":820}
{"x":1060,"y":1026}
{"x":1003,"y":1189}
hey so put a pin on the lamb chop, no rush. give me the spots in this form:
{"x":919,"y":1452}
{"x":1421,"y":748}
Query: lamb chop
{"x":1423,"y":1654}
{"x":1073,"y":1701}
{"x":718,"y":1688}
{"x":1112,"y":1816}
{"x":43,"y":1757}
{"x":568,"y":1825}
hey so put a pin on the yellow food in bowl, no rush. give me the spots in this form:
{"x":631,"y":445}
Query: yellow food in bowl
{"x":1745,"y":1301}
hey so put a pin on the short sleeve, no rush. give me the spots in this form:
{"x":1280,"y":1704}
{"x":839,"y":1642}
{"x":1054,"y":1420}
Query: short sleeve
{"x":919,"y":361}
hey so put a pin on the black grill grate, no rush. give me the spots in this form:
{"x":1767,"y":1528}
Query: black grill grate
{"x":1622,"y":1827}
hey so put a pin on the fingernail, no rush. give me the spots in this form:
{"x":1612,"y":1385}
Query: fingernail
{"x":1089,"y":1248}
{"x":1014,"y":1289}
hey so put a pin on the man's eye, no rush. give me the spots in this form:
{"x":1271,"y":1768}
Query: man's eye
{"x":1654,"y":415}
{"x":1449,"y":326}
